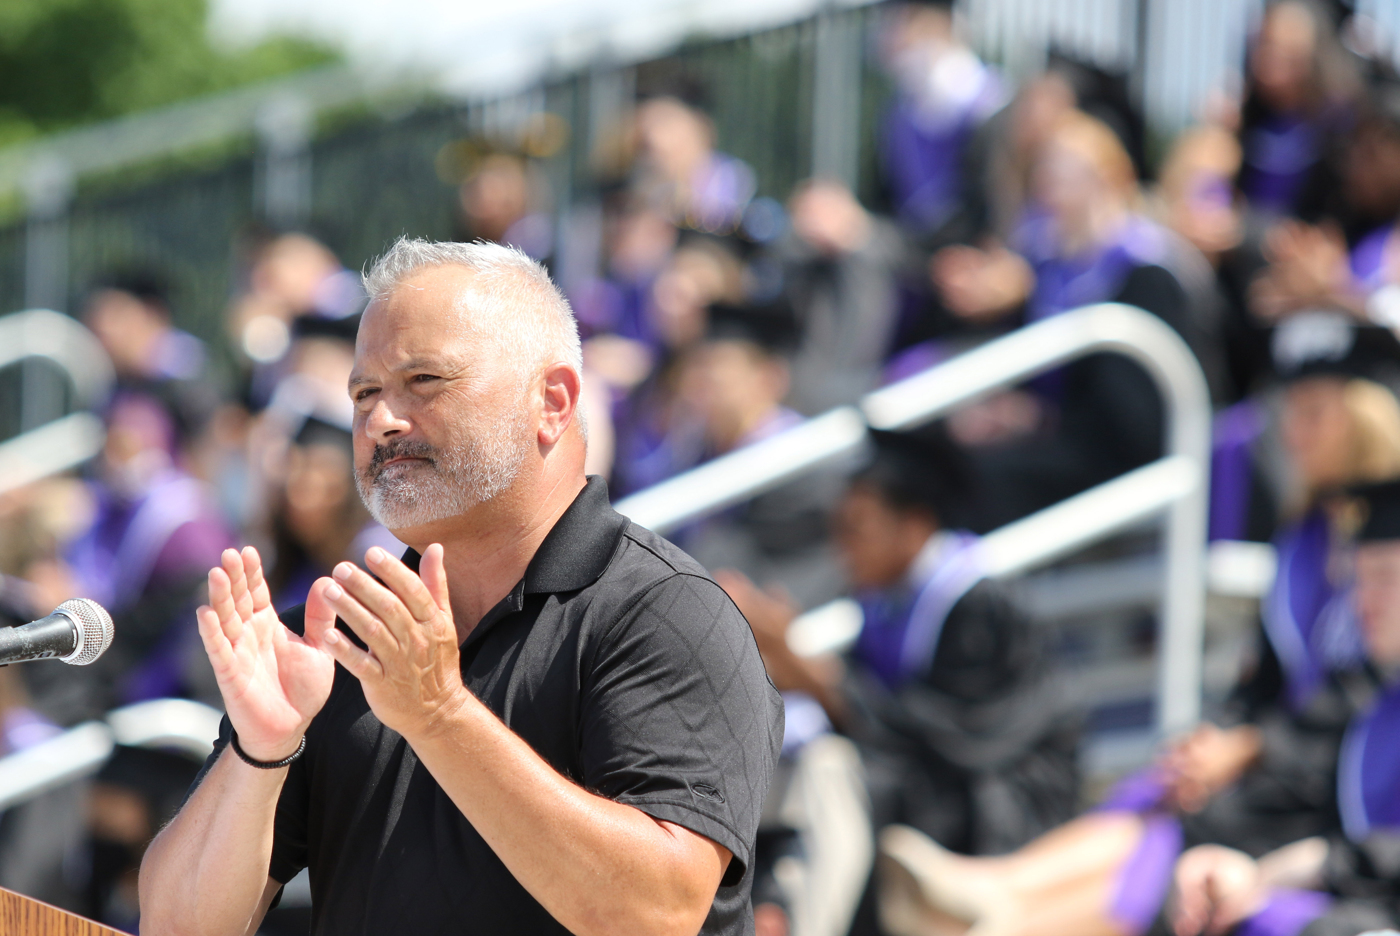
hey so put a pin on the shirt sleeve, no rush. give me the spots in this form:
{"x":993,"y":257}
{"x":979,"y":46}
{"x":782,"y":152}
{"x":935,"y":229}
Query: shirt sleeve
{"x":289,"y":828}
{"x":678,"y":717}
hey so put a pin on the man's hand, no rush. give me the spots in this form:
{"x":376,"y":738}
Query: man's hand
{"x":1216,"y":888}
{"x":273,"y":682}
{"x":1209,"y":760}
{"x":411,"y":672}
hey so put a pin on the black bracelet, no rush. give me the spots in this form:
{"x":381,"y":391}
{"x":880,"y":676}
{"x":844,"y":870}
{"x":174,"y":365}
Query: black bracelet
{"x":262,"y":764}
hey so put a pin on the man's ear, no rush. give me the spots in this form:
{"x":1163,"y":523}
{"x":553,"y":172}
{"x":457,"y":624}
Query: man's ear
{"x":562,"y":387}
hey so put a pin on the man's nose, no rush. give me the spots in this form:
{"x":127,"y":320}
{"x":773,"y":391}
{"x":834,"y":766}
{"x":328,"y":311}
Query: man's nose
{"x":383,"y":423}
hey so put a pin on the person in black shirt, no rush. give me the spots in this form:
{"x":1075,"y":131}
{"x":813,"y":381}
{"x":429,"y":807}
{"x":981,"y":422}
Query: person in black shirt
{"x":545,"y":719}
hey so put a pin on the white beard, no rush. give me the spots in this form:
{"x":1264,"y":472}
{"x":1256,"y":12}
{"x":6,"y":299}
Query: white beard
{"x":467,"y":471}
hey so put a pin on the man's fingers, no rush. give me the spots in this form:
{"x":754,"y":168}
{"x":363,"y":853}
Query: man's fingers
{"x":320,"y":616}
{"x":362,"y":665}
{"x":370,"y":627}
{"x":258,"y":592}
{"x":375,"y":598}
{"x":433,"y":571}
{"x":216,"y":644}
{"x":407,"y":587}
{"x":238,"y":583}
{"x":221,"y":600}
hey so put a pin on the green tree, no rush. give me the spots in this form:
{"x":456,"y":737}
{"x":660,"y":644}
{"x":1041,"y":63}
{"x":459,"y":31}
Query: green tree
{"x":67,"y":62}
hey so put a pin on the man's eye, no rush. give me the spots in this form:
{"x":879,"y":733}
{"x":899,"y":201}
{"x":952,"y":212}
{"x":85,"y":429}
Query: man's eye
{"x":424,"y":378}
{"x":365,"y":394}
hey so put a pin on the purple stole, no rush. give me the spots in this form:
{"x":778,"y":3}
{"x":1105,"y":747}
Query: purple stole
{"x":1231,"y":481}
{"x":1367,"y":259}
{"x":1063,"y":283}
{"x":1368,"y":776}
{"x":116,"y":558}
{"x":901,"y":631}
{"x":1279,"y":152}
{"x":1309,"y":619}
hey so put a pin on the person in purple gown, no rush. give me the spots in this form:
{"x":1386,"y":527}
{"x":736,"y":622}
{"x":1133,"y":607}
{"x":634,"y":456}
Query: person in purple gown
{"x":1298,"y":104}
{"x":1266,"y":775}
{"x":946,"y":690}
{"x":1086,"y":242}
{"x":1347,"y":882}
{"x":153,"y":531}
{"x":944,"y":93}
{"x":734,"y":384}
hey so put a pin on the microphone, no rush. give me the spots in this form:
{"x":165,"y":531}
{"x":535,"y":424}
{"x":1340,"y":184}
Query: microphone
{"x":78,"y":632}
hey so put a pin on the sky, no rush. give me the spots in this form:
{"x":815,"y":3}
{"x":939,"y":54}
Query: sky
{"x":484,"y":46}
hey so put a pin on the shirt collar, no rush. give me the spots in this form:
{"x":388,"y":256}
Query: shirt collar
{"x":576,"y":551}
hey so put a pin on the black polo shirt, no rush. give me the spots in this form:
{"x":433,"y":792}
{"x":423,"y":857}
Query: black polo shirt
{"x":621,"y":663}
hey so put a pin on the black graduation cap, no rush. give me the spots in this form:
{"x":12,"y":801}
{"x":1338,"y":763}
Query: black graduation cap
{"x":317,"y":431}
{"x":919,"y":469}
{"x":1382,"y":511}
{"x":1332,"y":345}
{"x":344,"y":328}
{"x":771,"y":326}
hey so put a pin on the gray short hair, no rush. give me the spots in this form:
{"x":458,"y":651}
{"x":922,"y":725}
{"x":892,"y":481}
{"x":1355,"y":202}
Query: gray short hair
{"x":512,"y":282}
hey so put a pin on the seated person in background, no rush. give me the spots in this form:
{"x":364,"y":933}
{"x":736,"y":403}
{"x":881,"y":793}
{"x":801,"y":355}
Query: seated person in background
{"x":1299,"y":94}
{"x":1100,"y":416}
{"x":657,"y":436}
{"x":1349,"y":881}
{"x":320,"y":519}
{"x":943,"y":94}
{"x":507,"y":200}
{"x":130,"y":315}
{"x":1351,"y":262}
{"x":153,"y":531}
{"x":1269,"y":777}
{"x":678,"y":169}
{"x":733,"y":384}
{"x":946,"y":692}
{"x":840,"y":269}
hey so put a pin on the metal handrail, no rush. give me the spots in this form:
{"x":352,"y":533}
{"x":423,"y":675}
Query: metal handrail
{"x":70,"y":440}
{"x":179,"y":724}
{"x":1175,"y":484}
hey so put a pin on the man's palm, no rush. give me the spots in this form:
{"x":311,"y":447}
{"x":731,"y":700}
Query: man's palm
{"x":272,"y":681}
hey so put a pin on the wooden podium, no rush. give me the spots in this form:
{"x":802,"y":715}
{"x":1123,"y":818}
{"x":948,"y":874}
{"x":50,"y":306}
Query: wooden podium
{"x":23,"y":916}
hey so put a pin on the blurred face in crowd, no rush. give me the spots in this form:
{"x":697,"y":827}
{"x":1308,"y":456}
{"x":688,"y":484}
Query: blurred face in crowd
{"x":1084,"y":178}
{"x":734,"y":386}
{"x":1196,"y":189}
{"x":290,"y":271}
{"x":1372,"y":177}
{"x":139,"y":445}
{"x":919,"y":35}
{"x":639,"y":242}
{"x":1378,"y":600}
{"x":1281,"y":64}
{"x":878,"y":541}
{"x":441,"y":423}
{"x":694,"y":279}
{"x":1318,"y":431}
{"x":320,"y":499}
{"x":496,"y":196}
{"x":673,"y":137}
{"x":1068,"y":184}
{"x":128,"y":329}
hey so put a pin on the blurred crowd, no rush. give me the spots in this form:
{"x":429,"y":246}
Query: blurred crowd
{"x":1267,"y":237}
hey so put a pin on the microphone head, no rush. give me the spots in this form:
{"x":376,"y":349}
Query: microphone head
{"x":94,"y":629}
